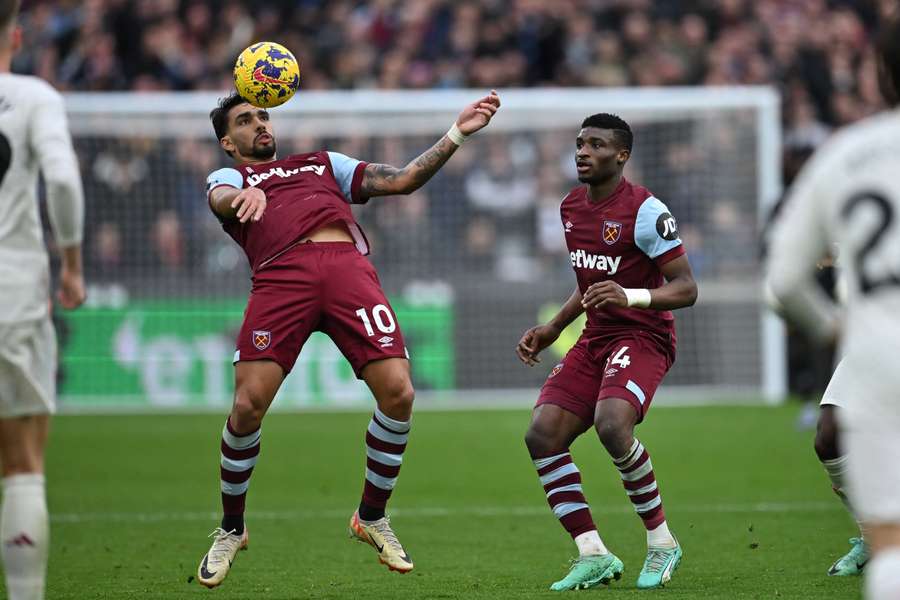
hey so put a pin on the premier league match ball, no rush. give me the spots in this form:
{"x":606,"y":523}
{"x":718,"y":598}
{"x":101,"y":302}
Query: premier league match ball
{"x":266,"y":74}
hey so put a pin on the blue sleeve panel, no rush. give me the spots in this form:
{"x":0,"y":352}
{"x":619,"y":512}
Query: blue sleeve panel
{"x":655,"y":229}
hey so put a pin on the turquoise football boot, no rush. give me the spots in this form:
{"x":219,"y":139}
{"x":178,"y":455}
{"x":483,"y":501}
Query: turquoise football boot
{"x":659,"y":567}
{"x":590,"y":571}
{"x":853,"y":562}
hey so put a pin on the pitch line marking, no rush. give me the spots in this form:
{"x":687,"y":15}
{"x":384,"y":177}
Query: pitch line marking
{"x":437,"y":511}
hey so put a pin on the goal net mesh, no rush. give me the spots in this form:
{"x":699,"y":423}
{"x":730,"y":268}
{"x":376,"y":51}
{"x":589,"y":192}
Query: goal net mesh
{"x":469,"y":261}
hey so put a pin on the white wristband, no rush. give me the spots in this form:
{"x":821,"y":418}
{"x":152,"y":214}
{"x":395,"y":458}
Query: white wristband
{"x":637,"y":297}
{"x":456,"y":136}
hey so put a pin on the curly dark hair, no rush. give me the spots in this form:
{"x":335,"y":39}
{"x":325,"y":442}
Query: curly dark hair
{"x":619,"y":127}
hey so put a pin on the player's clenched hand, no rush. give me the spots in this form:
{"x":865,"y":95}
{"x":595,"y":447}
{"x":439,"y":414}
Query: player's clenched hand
{"x":250,"y":204}
{"x":533,"y":341}
{"x":604,"y":293}
{"x":478,"y":114}
{"x":71,"y":292}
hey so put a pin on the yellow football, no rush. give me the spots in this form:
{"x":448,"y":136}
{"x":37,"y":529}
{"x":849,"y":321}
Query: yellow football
{"x":266,"y":74}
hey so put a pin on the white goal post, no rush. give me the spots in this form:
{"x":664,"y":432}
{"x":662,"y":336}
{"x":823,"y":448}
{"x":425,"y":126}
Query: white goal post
{"x":469,"y":262}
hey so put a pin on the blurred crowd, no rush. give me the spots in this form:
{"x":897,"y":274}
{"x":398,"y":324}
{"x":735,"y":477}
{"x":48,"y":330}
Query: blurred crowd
{"x":492,"y":211}
{"x":817,"y":52}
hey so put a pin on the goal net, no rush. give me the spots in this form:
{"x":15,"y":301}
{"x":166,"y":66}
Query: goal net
{"x":469,"y":262}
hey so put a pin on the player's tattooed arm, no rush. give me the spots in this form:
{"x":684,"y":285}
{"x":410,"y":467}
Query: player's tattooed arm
{"x":384,"y":180}
{"x":247,"y":204}
{"x":540,"y":336}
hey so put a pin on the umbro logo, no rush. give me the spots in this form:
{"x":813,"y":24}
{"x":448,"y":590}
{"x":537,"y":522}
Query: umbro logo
{"x":569,"y":226}
{"x":386,"y":341}
{"x":20,"y":540}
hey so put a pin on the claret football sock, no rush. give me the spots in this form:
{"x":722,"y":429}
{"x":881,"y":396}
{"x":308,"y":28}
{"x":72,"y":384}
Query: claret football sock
{"x":239,"y":454}
{"x":385,"y":443}
{"x":562,"y":484}
{"x":233,"y":523}
{"x":637,"y":475}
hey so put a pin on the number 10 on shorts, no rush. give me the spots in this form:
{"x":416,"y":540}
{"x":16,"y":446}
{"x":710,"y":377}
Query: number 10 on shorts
{"x":382,"y":316}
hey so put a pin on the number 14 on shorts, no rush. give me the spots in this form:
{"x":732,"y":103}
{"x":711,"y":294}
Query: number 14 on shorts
{"x":620,"y":358}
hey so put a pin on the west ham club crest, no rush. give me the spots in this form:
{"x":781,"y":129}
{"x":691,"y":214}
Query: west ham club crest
{"x":612,"y":230}
{"x":262,"y":339}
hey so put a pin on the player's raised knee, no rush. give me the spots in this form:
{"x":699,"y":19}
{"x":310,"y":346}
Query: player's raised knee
{"x":397,"y":398}
{"x":615,"y":430}
{"x":541,"y":441}
{"x":249,"y":408}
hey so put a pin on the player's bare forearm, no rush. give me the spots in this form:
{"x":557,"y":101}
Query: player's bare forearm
{"x":71,"y":293}
{"x":539,"y":337}
{"x":569,"y":312}
{"x":385,"y":180}
{"x":245,"y":205}
{"x":680,"y":289}
{"x":71,"y":258}
{"x":220,"y":200}
{"x":680,"y":292}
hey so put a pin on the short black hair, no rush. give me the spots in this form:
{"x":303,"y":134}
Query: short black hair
{"x":619,"y":127}
{"x":888,"y":48}
{"x":8,"y":11}
{"x":219,"y":115}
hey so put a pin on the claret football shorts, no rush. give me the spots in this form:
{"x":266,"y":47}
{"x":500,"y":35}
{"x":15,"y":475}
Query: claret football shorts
{"x":319,"y":286}
{"x":629,"y":366}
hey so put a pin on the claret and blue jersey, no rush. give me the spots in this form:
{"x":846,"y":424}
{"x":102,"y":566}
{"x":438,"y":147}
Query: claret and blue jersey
{"x":304,"y":192}
{"x":626,"y":238}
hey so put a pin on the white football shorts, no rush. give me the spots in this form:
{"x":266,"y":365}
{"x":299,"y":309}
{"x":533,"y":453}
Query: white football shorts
{"x":27,"y":368}
{"x":870,"y":435}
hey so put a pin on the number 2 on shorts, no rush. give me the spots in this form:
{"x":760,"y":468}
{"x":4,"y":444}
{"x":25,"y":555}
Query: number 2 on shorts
{"x":382,"y":316}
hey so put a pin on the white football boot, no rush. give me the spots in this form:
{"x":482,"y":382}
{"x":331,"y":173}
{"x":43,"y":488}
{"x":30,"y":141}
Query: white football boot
{"x":380,"y":536}
{"x":217,"y":562}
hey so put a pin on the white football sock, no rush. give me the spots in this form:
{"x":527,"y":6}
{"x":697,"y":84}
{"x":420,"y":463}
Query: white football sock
{"x":590,"y":544}
{"x":24,"y":536}
{"x":661,"y":537}
{"x":836,"y":469}
{"x":883,"y":576}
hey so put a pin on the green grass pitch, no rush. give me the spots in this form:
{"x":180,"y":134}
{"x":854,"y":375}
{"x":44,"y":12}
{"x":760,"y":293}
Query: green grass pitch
{"x":134,"y":497}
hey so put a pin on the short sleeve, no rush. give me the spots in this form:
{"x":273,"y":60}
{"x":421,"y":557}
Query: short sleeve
{"x":656,"y":231}
{"x":348,"y":174}
{"x":227,"y":176}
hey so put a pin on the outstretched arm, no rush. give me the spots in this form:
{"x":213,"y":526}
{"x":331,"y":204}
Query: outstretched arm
{"x":385,"y":180}
{"x":540,"y":336}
